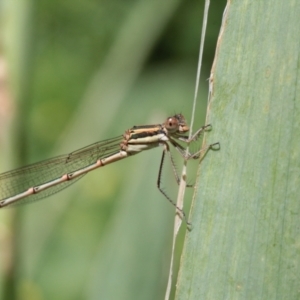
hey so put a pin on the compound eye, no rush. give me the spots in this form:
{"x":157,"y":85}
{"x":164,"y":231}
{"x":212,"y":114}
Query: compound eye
{"x":171,"y":124}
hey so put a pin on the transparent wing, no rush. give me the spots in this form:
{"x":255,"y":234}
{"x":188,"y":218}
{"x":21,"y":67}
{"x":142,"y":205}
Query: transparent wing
{"x":20,"y":180}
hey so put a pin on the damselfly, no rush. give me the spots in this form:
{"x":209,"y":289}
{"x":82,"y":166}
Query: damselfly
{"x":42,"y":179}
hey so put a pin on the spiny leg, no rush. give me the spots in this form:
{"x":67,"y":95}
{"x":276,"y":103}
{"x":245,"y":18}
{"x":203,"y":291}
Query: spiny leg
{"x":204,"y":150}
{"x":196,"y":135}
{"x":187,"y":155}
{"x":177,"y":178}
{"x":183,"y":215}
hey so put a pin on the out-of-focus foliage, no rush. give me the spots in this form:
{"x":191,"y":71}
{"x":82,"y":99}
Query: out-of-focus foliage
{"x":90,"y":70}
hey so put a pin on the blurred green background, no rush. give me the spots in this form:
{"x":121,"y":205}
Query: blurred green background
{"x":77,"y":72}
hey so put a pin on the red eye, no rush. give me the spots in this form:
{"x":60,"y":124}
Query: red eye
{"x":171,"y":124}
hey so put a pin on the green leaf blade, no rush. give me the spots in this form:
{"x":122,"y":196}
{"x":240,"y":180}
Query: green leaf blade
{"x":245,"y":242}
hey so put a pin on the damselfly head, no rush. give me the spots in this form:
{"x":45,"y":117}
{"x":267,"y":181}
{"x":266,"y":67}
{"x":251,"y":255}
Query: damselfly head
{"x":177,"y":124}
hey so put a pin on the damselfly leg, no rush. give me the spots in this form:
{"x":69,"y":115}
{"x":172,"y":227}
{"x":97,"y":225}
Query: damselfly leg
{"x":187,"y":156}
